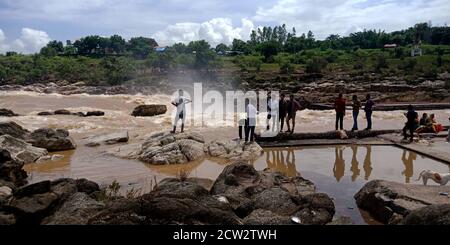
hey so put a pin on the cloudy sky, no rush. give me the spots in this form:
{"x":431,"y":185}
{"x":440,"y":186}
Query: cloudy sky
{"x":27,"y":25}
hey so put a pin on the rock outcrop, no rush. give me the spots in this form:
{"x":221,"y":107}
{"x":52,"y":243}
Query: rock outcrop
{"x":438,"y":214}
{"x":49,"y":139}
{"x":233,"y":150}
{"x":20,"y":150}
{"x":268,"y":197}
{"x":391,"y":202}
{"x":149,"y":110}
{"x":11,"y":172}
{"x":7,"y":113}
{"x":52,"y":140}
{"x":166,"y":148}
{"x":13,"y":129}
{"x":108,"y":139}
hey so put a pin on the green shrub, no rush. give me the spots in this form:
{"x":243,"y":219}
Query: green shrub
{"x":316,"y":65}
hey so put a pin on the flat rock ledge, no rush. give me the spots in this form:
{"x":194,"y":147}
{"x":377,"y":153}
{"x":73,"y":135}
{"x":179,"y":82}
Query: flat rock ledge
{"x":395,"y":203}
{"x":164,"y":148}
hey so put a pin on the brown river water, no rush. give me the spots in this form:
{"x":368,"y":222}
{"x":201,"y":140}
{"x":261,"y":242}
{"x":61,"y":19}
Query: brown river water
{"x":336,"y":170}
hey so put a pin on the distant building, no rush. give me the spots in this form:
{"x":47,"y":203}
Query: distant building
{"x":160,"y":49}
{"x":390,"y":45}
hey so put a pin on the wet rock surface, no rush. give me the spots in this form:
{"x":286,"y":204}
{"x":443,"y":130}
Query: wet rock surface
{"x":108,"y":139}
{"x":52,"y":140}
{"x":20,"y":150}
{"x":391,"y":202}
{"x":149,"y":110}
{"x":167,"y":148}
{"x":7,"y":113}
{"x":266,"y":196}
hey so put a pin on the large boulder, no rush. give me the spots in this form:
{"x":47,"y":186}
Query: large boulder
{"x":267,"y":197}
{"x":52,"y":140}
{"x":108,"y":139}
{"x":149,"y":110}
{"x":77,"y":210}
{"x":438,"y":214}
{"x":62,"y":112}
{"x":234,"y":150}
{"x":32,"y":203}
{"x":11,"y":170}
{"x":166,"y":148}
{"x":120,"y":211}
{"x":389,"y":202}
{"x":13,"y":129}
{"x":184,"y":202}
{"x":7,"y":113}
{"x":20,"y":150}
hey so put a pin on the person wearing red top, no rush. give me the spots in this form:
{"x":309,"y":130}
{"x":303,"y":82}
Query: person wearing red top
{"x":339,"y":107}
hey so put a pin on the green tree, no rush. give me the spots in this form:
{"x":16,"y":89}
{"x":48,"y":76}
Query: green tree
{"x":117,"y":44}
{"x":222,"y":48}
{"x":202,"y":52}
{"x":141,"y":47}
{"x":316,"y":65}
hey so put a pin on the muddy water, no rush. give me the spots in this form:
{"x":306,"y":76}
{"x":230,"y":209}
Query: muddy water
{"x":339,"y":175}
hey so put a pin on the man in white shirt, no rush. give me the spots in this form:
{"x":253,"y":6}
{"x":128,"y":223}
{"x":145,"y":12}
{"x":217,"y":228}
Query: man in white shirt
{"x":274,"y":112}
{"x":252,"y":112}
{"x":180,"y":102}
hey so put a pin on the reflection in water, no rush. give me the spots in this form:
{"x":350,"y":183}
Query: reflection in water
{"x":368,"y":163}
{"x":355,"y":164}
{"x":408,"y":162}
{"x":284,"y":160}
{"x":275,"y":160}
{"x":339,"y":164}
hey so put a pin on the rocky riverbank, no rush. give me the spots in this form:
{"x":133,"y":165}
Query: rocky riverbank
{"x":323,"y":88}
{"x":395,"y":203}
{"x":241,"y":195}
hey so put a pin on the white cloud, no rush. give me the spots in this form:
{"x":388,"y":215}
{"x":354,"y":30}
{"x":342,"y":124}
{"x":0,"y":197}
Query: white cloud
{"x":30,"y":41}
{"x":325,"y":17}
{"x":215,"y":31}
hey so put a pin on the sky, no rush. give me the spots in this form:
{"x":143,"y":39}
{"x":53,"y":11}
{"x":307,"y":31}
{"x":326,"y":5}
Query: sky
{"x":27,"y":25}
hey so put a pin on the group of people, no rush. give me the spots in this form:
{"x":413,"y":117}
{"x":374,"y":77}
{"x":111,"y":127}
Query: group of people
{"x":340,"y":106}
{"x":426,"y":124}
{"x":279,"y":111}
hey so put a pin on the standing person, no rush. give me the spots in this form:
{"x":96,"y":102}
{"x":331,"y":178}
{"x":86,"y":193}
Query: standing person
{"x":251,"y":121}
{"x":356,"y":104}
{"x":180,"y":103}
{"x":411,"y":124}
{"x":448,"y":137}
{"x":368,"y":108}
{"x":282,"y":105}
{"x":269,"y":110}
{"x":292,"y":107}
{"x":274,"y":112}
{"x":339,"y":107}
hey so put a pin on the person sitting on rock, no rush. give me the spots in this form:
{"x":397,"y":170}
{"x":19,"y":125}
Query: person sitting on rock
{"x":424,"y":124}
{"x":180,"y":102}
{"x":435,"y":126}
{"x":412,"y":122}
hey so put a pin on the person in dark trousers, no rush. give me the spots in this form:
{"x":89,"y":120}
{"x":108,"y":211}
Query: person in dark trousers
{"x":251,"y":121}
{"x":411,"y":124}
{"x":269,"y":110}
{"x":368,"y":108}
{"x":292,"y":107}
{"x":282,"y":111}
{"x":356,"y":105}
{"x":339,"y":107}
